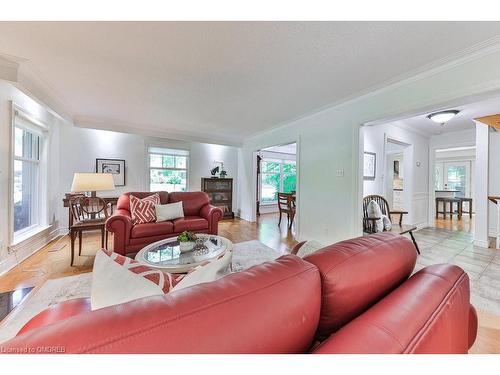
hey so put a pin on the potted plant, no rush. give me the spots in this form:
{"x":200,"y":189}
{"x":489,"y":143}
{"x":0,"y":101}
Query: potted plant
{"x":186,"y":241}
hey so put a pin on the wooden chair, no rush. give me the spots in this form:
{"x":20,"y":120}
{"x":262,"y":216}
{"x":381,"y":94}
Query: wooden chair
{"x":89,"y":213}
{"x":369,"y":223}
{"x":286,"y":204}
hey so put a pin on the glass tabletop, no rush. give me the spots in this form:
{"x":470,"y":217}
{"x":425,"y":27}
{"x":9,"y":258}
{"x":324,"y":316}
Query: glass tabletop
{"x":168,"y":253}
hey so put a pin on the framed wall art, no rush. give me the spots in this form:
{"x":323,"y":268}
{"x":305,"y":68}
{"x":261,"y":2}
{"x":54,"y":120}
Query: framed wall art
{"x":114,"y":166}
{"x":369,"y":165}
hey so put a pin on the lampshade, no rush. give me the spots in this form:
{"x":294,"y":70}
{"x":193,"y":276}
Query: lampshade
{"x":92,"y":182}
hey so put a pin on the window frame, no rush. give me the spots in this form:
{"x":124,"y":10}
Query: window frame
{"x":22,"y":120}
{"x":280,"y":188}
{"x":180,"y":150}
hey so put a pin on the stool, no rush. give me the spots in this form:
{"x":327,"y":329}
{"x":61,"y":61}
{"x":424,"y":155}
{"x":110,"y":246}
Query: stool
{"x":468,"y":200}
{"x":451,"y":202}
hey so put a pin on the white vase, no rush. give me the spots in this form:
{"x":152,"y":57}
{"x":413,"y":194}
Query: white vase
{"x":186,"y":246}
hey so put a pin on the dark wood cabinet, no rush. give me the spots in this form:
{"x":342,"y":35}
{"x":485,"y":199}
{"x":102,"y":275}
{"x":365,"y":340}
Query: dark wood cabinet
{"x":220,"y":191}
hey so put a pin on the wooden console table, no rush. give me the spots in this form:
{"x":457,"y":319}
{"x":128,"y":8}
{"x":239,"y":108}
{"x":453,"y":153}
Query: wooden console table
{"x":109,"y":200}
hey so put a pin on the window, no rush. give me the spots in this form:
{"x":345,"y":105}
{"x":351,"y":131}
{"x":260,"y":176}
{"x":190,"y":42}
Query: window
{"x":26,"y":190}
{"x":277,"y":176}
{"x":168,"y":169}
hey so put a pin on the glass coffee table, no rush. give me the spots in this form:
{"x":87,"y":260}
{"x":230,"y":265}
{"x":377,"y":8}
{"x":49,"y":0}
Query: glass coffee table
{"x":166,"y":255}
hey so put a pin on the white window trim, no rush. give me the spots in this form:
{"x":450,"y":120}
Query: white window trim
{"x":171,"y":147}
{"x":276,"y":160}
{"x":43,"y":130}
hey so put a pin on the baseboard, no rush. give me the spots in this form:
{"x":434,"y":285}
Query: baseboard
{"x":26,"y":248}
{"x":481,"y":243}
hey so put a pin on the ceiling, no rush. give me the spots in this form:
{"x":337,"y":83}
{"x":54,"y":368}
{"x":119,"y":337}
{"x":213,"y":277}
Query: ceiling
{"x":462,"y":121}
{"x":290,"y":148}
{"x":229,"y":80}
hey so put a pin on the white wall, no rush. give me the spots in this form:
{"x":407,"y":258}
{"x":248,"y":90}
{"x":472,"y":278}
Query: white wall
{"x":415,"y":190}
{"x":329,"y":204}
{"x":80,"y":147}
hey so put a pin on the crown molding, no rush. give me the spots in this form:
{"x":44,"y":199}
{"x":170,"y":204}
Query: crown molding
{"x":466,"y":55}
{"x":151,"y":131}
{"x":16,"y":71}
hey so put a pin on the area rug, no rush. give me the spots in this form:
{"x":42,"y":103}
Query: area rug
{"x":245,"y":255}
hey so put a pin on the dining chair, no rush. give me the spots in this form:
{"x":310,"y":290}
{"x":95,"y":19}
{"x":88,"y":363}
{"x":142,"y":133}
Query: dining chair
{"x":89,"y":214}
{"x":286,"y":204}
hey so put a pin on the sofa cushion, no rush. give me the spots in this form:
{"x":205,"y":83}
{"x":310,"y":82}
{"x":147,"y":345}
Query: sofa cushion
{"x":357,"y":273}
{"x":143,"y":210}
{"x":124,"y":199}
{"x":169,"y":211}
{"x":118,"y":279}
{"x":192,"y":201}
{"x":152,"y":229}
{"x":190,"y":223}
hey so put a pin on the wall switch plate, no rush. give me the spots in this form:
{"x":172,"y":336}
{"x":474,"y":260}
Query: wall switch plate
{"x":340,"y":173}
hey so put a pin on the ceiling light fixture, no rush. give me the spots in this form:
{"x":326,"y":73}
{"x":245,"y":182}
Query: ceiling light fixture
{"x":443,"y":116}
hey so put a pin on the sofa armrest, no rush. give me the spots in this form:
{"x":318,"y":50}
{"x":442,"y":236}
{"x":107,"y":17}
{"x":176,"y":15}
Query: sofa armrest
{"x":213,"y":215}
{"x":120,"y":223}
{"x":428,"y":313}
{"x":56,"y":313}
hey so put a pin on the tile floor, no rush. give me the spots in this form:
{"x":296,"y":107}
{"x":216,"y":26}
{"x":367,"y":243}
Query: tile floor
{"x":482,"y":265}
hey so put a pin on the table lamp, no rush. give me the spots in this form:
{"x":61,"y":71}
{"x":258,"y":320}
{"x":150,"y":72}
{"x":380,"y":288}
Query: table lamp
{"x":84,"y":182}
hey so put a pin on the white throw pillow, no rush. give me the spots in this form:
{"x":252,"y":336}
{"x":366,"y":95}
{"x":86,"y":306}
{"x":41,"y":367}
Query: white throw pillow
{"x":169,"y":211}
{"x":206,"y":272}
{"x":387,"y":222}
{"x":309,"y":247}
{"x":118,"y":279}
{"x":374,"y":211}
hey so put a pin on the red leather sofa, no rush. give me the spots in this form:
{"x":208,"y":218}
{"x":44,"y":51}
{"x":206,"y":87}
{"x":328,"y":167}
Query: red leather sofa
{"x":200,"y":217}
{"x":352,"y":297}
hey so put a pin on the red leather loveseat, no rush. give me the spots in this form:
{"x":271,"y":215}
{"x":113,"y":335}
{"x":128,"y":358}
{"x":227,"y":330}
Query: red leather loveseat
{"x":352,"y":297}
{"x":199,"y":216}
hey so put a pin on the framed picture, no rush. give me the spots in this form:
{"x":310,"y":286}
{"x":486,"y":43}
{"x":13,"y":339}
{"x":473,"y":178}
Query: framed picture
{"x":114,"y":166}
{"x":369,"y":165}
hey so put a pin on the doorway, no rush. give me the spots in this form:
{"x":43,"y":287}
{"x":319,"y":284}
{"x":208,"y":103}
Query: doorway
{"x":276,"y":173}
{"x":396,"y":186}
{"x":454,"y":174}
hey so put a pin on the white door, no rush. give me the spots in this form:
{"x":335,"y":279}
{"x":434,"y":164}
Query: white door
{"x":457,"y":176}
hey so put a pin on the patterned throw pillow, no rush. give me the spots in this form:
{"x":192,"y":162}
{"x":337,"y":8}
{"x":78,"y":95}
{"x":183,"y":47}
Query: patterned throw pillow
{"x":143,"y":210}
{"x":118,"y":279}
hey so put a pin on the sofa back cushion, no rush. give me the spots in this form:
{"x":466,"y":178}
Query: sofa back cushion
{"x":429,"y":313}
{"x":192,"y":201}
{"x":359,"y":272}
{"x":124,"y":199}
{"x":270,"y":308}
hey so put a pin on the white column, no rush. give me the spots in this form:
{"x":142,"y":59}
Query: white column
{"x":498,"y":225}
{"x":481,"y":181}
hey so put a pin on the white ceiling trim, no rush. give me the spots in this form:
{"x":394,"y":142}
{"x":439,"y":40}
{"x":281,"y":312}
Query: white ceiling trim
{"x":149,"y":131}
{"x":15,"y":71}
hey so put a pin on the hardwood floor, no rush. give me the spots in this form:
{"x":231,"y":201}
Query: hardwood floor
{"x":47,"y":264}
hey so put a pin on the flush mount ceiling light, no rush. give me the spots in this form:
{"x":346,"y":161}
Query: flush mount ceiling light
{"x":443,"y":116}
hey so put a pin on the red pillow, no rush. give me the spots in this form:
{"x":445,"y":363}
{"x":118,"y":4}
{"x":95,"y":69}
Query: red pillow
{"x":143,"y":210}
